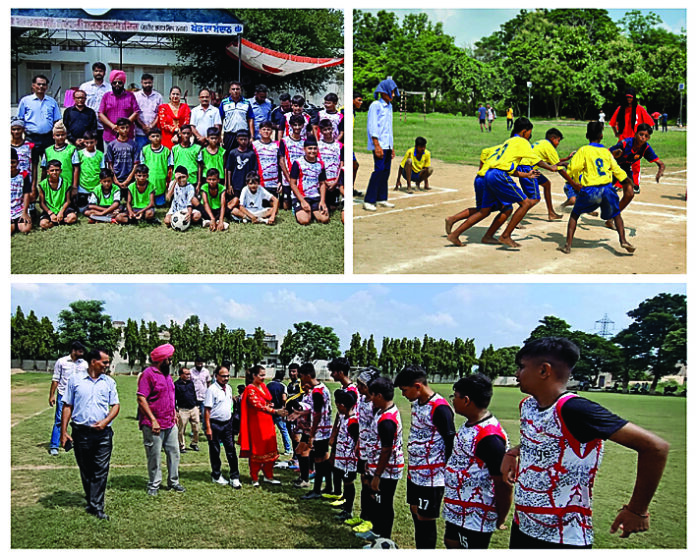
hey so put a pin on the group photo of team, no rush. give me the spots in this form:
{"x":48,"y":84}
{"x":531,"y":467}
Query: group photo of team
{"x":209,"y":153}
{"x":421,"y":444}
{"x":518,"y":170}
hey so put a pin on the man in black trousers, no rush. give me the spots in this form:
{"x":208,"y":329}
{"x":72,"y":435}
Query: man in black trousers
{"x":90,"y":405}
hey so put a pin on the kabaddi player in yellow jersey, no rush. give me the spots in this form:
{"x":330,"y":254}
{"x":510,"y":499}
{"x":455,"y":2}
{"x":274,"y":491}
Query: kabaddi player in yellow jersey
{"x":500,"y":187}
{"x":599,"y":171}
{"x":415,"y":166}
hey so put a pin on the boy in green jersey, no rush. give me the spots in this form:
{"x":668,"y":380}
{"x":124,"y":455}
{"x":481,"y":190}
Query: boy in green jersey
{"x":89,"y":165}
{"x":185,"y":153}
{"x":104,"y":202}
{"x":156,"y":157}
{"x":54,"y":198}
{"x":141,"y":197}
{"x":61,"y":151}
{"x":213,"y":200}
{"x":210,"y":156}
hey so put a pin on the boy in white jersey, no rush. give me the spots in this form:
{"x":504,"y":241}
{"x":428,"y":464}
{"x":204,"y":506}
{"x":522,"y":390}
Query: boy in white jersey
{"x":429,"y":446}
{"x":182,"y":195}
{"x":251,"y":203}
{"x":333,"y":115}
{"x":290,"y":148}
{"x":562,"y":431}
{"x":308,"y":186}
{"x":477,"y":500}
{"x":330,"y":152}
{"x":267,"y":153}
{"x":343,"y":453}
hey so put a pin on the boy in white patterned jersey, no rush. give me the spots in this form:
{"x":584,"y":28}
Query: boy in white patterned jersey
{"x":330,"y":152}
{"x":560,"y":430}
{"x":333,"y":115}
{"x":290,"y":148}
{"x":267,"y":154}
{"x":20,"y":196}
{"x":321,"y":427}
{"x":477,"y":500}
{"x":308,"y":186}
{"x":385,"y":462}
{"x":429,"y":446}
{"x":345,"y":460}
{"x":297,"y":104}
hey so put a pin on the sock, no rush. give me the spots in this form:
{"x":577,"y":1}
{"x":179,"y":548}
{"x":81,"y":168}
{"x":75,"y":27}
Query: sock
{"x":349,"y":496}
{"x":318,"y":476}
{"x":426,"y":533}
{"x":337,"y":481}
{"x":328,"y":476}
{"x":304,"y":468}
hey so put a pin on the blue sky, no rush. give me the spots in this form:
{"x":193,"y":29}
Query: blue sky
{"x":468,"y":25}
{"x":499,"y":314}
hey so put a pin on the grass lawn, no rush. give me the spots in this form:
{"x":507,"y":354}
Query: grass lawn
{"x":47,"y":504}
{"x":285,"y":248}
{"x":459,"y":140}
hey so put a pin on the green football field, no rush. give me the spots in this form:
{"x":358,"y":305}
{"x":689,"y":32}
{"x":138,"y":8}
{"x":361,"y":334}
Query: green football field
{"x":285,"y":248}
{"x":458,"y":139}
{"x":47,"y":504}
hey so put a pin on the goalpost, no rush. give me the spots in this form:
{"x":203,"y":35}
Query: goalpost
{"x":402,"y":106}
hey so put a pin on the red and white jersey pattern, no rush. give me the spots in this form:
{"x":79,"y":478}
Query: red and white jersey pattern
{"x":335,"y":119}
{"x":331,"y":154}
{"x":325,"y":425}
{"x":17,"y":194}
{"x":311,"y":174}
{"x":395,"y":466}
{"x":553,"y":496}
{"x":346,"y":459}
{"x":267,"y":163}
{"x":426,"y":447}
{"x":288,"y":127}
{"x":293,"y":150}
{"x":366,"y":413}
{"x":303,"y":424}
{"x":469,"y":500}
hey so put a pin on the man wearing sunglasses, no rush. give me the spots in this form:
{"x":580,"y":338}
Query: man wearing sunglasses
{"x":115,"y":104}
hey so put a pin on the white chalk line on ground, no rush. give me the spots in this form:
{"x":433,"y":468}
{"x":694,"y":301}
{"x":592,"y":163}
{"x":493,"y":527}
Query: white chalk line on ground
{"x":396,"y":196}
{"x":32,"y":416}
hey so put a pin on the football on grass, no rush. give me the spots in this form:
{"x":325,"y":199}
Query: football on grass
{"x":179,"y":221}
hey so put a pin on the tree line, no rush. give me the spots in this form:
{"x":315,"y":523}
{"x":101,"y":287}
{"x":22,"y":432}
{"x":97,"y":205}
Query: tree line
{"x":578,"y":61}
{"x":652,"y":346}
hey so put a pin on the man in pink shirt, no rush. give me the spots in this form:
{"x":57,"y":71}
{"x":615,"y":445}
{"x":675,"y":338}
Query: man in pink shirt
{"x":157,"y":419}
{"x":117,"y":103}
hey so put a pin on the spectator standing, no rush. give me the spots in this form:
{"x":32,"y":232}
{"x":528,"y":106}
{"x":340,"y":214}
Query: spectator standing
{"x":236,"y":115}
{"x":116,"y":104}
{"x":157,"y":418}
{"x":278,"y":114}
{"x":629,"y":115}
{"x":201,"y":381}
{"x":65,"y":367}
{"x":79,"y":119}
{"x":95,"y":90}
{"x":261,"y":107}
{"x":171,"y":116}
{"x":279,"y":394}
{"x":148,"y":102}
{"x":186,"y":409}
{"x":91,"y":404}
{"x":203,"y":117}
{"x":39,"y":112}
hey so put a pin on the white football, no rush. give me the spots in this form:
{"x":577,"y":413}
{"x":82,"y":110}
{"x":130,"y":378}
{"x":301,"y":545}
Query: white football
{"x":178,"y":221}
{"x":384,"y":543}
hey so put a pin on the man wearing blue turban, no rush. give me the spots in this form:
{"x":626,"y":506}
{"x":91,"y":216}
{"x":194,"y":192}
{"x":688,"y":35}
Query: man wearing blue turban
{"x":380,"y":140}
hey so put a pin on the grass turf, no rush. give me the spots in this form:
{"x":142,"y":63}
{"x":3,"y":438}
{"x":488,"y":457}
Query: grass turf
{"x":47,"y":504}
{"x":285,"y":248}
{"x":455,"y":139}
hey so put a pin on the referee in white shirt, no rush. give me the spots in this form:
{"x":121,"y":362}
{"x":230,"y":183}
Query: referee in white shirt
{"x":218,"y":427}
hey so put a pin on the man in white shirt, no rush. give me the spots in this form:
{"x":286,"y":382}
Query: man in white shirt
{"x":64,"y":368}
{"x":148,"y":101}
{"x":201,"y":381}
{"x":95,"y":90}
{"x":204,"y":116}
{"x":218,"y":427}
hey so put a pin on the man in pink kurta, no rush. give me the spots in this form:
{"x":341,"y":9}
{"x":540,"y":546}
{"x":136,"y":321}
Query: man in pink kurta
{"x":115,"y":104}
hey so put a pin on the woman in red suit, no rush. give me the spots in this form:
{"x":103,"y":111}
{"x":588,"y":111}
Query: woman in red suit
{"x":257,"y":434}
{"x":171,"y":116}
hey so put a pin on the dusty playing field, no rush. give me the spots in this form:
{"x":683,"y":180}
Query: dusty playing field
{"x":410,"y":238}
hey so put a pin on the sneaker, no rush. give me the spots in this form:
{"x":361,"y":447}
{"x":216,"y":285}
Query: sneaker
{"x":301,"y":484}
{"x":293,"y":467}
{"x":331,"y":496}
{"x":152,"y":492}
{"x":369,"y":536}
{"x":178,"y":488}
{"x":311,"y":495}
{"x":53,"y":452}
{"x":369,"y":206}
{"x":221,"y":481}
{"x":194,"y":448}
{"x":271,"y":481}
{"x":235,"y":483}
{"x":385,"y":204}
{"x":182,"y":449}
{"x":353,"y":521}
{"x":205,"y":223}
{"x":364,"y":526}
{"x":636,"y":189}
{"x":357,"y":193}
{"x":256,"y":484}
{"x":281,"y":465}
{"x":337,"y":502}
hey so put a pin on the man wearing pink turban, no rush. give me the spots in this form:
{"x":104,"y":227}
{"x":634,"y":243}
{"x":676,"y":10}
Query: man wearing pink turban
{"x":157,"y":419}
{"x":117,"y":103}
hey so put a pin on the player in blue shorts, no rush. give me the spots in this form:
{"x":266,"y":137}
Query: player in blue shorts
{"x":629,"y":151}
{"x":598,"y":170}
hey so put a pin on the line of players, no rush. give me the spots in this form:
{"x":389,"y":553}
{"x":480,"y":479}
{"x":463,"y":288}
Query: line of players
{"x":303,"y":171}
{"x":469,"y":473}
{"x":593,"y":176}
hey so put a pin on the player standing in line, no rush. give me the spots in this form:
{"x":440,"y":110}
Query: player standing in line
{"x":290,"y":149}
{"x":430,"y":442}
{"x":477,"y":500}
{"x":344,"y":457}
{"x":562,"y":431}
{"x":267,"y":154}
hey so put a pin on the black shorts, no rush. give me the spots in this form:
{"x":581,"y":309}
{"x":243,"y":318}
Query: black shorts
{"x":313,"y":204}
{"x":468,"y":539}
{"x":361,"y":466}
{"x":520,"y":540}
{"x":427,"y":499}
{"x":320,"y":447}
{"x":67,"y":212}
{"x":216,"y":213}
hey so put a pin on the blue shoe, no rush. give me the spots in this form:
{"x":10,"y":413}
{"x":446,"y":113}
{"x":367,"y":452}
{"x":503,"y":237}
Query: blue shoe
{"x":311,"y":495}
{"x":369,"y":536}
